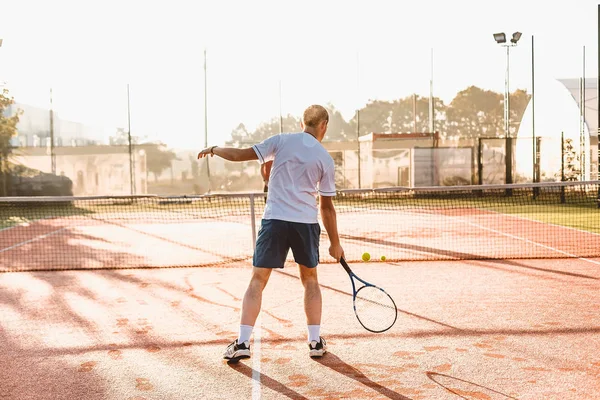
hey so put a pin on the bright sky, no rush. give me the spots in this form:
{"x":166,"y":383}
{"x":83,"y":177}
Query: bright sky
{"x":339,"y":52}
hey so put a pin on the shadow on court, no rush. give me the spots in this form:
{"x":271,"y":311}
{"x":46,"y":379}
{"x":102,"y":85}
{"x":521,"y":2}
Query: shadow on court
{"x":462,"y":388}
{"x":332,"y":361}
{"x":267,"y":381}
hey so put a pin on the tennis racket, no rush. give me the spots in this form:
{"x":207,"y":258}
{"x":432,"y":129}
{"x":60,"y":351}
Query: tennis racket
{"x":374,"y":308}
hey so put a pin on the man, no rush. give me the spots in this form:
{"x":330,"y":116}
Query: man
{"x":302,"y":168}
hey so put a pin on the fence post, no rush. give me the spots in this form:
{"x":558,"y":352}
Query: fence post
{"x":536,"y":165}
{"x":479,"y":161}
{"x":562,"y":166}
{"x":508,"y":164}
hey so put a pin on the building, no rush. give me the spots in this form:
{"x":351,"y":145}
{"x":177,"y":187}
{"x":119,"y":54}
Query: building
{"x":34,"y":129}
{"x":94,"y":170}
{"x":403,"y":159}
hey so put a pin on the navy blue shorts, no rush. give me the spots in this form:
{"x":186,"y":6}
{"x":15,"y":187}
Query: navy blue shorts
{"x":276,"y":238}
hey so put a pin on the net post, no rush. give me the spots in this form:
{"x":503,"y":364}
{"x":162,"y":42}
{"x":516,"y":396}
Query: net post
{"x":253,"y":220}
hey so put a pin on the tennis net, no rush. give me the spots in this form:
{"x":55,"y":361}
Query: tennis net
{"x":545,"y":220}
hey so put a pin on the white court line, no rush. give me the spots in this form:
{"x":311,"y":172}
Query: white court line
{"x":256,"y":390}
{"x":527,"y":241}
{"x":32,"y":240}
{"x":518,"y":237}
{"x":24,"y":223}
{"x":540,"y":222}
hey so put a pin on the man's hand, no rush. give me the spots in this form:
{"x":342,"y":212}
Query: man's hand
{"x":229,"y":153}
{"x":336,"y":252}
{"x":206,"y":152}
{"x":265,"y":170}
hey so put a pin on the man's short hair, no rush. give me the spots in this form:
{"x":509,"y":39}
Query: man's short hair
{"x":314,"y":115}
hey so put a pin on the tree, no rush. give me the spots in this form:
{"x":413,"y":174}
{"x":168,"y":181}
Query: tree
{"x":571,"y":163}
{"x":475,"y":112}
{"x":337,"y":128}
{"x":158,"y":158}
{"x":397,"y":116}
{"x":518,"y":103}
{"x":8,"y":129}
{"x":272,"y":127}
{"x":194,"y":167}
{"x":239,"y":136}
{"x":121,"y":138}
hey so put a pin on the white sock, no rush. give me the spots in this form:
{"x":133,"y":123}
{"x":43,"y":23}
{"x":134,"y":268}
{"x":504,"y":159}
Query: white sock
{"x":313,"y":333}
{"x":245,"y":333}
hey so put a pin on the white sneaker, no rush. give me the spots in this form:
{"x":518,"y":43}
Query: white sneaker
{"x":235,"y":352}
{"x":317,"y":349}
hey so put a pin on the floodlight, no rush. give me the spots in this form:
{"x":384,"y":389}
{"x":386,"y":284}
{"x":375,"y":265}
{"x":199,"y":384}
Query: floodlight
{"x":515,"y":38}
{"x":500,"y":37}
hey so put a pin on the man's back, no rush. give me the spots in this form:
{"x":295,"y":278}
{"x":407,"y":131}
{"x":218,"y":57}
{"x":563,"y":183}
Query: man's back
{"x":301,"y":169}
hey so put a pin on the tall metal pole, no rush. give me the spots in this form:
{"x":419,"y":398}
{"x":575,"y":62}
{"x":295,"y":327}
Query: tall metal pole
{"x":280,"y":114}
{"x":562,"y":156}
{"x":3,"y":162}
{"x":358,"y":117}
{"x":206,"y":122}
{"x":431,"y":105}
{"x":507,"y":94}
{"x":508,"y":157}
{"x":562,"y":166}
{"x":52,"y":155}
{"x":598,"y":89}
{"x":582,"y":143}
{"x":415,"y":113}
{"x":131,"y":160}
{"x":580,"y":157}
{"x":598,"y":94}
{"x":205,"y":105}
{"x":534,"y":144}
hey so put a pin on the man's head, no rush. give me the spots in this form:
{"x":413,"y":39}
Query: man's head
{"x":315,"y":120}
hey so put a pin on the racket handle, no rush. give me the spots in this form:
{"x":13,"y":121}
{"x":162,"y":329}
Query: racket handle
{"x":345,"y":265}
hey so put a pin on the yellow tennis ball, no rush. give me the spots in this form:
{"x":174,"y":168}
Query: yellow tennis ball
{"x":382,"y":258}
{"x":366,"y":256}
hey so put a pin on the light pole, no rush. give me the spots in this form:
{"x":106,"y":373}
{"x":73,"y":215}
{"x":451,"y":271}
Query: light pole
{"x":500,"y":38}
{"x":52,"y":150}
{"x":1,"y":83}
{"x":206,"y":122}
{"x":3,"y":174}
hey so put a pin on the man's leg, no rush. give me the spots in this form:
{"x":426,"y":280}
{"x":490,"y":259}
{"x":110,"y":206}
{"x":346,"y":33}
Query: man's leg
{"x":240,"y":348}
{"x":253,"y":297}
{"x":313,"y":305}
{"x":304,"y":240}
{"x":312,"y":295}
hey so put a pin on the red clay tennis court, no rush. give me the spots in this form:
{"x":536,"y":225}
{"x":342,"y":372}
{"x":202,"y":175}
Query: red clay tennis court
{"x":496,"y":296}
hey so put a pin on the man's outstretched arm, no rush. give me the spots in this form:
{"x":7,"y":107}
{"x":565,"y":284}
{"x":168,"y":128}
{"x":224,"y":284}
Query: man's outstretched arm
{"x":229,"y":153}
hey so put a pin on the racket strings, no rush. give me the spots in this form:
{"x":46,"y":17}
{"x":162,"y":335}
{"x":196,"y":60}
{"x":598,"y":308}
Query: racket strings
{"x":375,"y":309}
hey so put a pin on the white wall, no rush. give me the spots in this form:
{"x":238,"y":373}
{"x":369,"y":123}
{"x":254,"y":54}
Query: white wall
{"x":92,"y":174}
{"x":555,"y":111}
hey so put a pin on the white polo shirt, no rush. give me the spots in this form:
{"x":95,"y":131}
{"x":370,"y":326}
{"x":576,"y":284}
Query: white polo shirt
{"x":301,"y":170}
